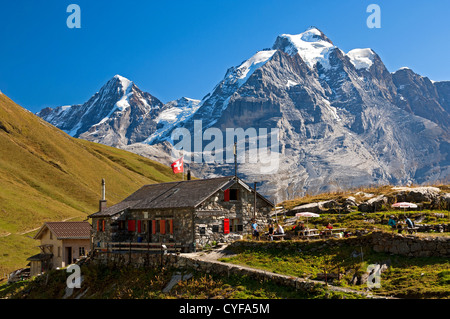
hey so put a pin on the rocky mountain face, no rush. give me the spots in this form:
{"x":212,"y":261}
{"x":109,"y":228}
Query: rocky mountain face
{"x":343,"y":120}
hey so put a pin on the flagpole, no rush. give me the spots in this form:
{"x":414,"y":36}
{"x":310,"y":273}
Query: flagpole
{"x":235,"y":160}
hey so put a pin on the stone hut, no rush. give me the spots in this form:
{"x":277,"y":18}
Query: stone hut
{"x":193,"y":213}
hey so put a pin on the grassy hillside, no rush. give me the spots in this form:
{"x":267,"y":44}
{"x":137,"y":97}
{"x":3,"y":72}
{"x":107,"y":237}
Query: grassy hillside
{"x":46,"y":175}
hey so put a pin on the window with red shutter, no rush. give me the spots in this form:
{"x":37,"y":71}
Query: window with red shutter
{"x":139,"y":226}
{"x":171,"y":226}
{"x":226,"y":195}
{"x":226,"y":226}
{"x":132,"y":225}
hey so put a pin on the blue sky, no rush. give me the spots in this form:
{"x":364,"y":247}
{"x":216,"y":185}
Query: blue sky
{"x":183,"y":48}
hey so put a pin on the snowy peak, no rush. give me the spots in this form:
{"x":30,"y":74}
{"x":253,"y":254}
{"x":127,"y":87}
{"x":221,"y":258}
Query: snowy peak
{"x":117,"y":85}
{"x":362,"y":58}
{"x":312,"y":46}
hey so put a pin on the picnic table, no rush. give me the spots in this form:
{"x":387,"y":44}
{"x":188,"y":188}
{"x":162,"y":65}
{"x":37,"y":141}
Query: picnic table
{"x":278,"y":236}
{"x":329,"y":232}
{"x":309,"y":233}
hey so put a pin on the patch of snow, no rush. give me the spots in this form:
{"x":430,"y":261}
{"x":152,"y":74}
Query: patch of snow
{"x":361,"y":58}
{"x":333,"y":110}
{"x":291,"y":83}
{"x":126,"y":84}
{"x":310,"y":46}
{"x":175,"y":112}
{"x":246,"y":69}
{"x":74,"y":130}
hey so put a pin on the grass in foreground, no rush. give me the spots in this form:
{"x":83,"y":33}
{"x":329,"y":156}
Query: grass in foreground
{"x":407,"y":277}
{"x":145,"y":283}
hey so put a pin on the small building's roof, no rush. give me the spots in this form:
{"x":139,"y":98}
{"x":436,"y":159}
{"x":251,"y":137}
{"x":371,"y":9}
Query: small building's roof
{"x":40,"y":257}
{"x":180,"y":194}
{"x":67,"y":230}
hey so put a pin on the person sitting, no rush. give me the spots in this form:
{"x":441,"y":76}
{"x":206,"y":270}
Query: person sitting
{"x":410,"y":225}
{"x":409,"y":222}
{"x":391,"y":222}
{"x":270,"y":234}
{"x":255,"y":230}
{"x":299,"y":229}
{"x":329,"y":226}
{"x":279,"y":230}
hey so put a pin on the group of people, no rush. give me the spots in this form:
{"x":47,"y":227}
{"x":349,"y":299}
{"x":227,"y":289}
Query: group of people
{"x":301,"y":228}
{"x":398,"y":225}
{"x":272,"y":231}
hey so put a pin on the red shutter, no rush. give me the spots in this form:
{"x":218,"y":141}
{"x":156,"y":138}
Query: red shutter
{"x":171,"y":226}
{"x":132,"y":225}
{"x":162,"y":227}
{"x":139,"y":226}
{"x":226,"y":195}
{"x":153,"y":226}
{"x":98,"y":225}
{"x":226,"y":226}
{"x":103,"y":225}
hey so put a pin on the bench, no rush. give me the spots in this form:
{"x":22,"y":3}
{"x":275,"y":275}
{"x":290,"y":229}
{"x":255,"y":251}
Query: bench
{"x":411,"y":229}
{"x":275,"y":236}
{"x":280,"y":236}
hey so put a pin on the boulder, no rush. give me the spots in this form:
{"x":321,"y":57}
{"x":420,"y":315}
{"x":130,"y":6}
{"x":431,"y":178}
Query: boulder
{"x":373,"y":204}
{"x":445,"y":201}
{"x":350,"y":201}
{"x":315,"y":207}
{"x":416,"y":194}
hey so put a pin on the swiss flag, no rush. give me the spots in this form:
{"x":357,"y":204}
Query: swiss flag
{"x":177,"y":166}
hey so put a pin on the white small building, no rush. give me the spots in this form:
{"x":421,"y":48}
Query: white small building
{"x":61,"y":244}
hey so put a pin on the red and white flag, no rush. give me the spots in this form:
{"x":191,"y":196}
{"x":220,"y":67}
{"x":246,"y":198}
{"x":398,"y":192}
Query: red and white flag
{"x":177,"y":166}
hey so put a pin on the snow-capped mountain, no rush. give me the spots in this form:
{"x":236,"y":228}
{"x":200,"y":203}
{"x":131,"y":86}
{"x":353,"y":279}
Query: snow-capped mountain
{"x":119,"y":114}
{"x":344,"y":120}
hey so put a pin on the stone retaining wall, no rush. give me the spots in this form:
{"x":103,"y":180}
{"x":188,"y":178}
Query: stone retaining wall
{"x":410,"y":245}
{"x":399,"y":244}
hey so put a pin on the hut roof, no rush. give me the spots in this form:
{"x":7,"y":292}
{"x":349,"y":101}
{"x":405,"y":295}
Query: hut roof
{"x":180,"y":194}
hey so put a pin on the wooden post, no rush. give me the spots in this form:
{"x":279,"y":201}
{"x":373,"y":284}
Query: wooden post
{"x":254,"y":203}
{"x":129,"y":258}
{"x":160,"y":245}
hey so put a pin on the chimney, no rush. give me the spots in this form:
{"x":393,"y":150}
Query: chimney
{"x":189,"y":175}
{"x":102,"y":202}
